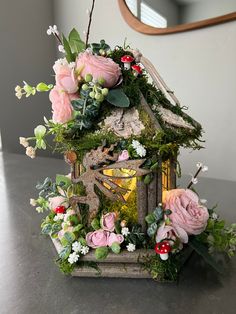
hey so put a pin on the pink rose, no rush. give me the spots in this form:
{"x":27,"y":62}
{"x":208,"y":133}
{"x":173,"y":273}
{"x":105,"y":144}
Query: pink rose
{"x":123,"y":156}
{"x":56,"y":201}
{"x":97,"y":238}
{"x":187,"y":212}
{"x":99,"y":67}
{"x":112,"y":238}
{"x":171,"y":232}
{"x":61,"y":105}
{"x":108,"y":221}
{"x":65,"y":78}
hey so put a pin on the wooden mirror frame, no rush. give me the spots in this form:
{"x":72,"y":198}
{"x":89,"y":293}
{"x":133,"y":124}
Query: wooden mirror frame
{"x":137,"y":25}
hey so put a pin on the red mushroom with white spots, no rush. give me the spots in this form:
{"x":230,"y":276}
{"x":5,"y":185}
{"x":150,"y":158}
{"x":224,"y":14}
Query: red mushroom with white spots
{"x":127,"y":60}
{"x":136,"y":70}
{"x":163,"y":249}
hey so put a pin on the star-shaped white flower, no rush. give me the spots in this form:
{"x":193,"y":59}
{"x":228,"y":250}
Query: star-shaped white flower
{"x":125,"y":231}
{"x":131,"y":247}
{"x":84,"y":250}
{"x":77,"y":247}
{"x":73,"y":258}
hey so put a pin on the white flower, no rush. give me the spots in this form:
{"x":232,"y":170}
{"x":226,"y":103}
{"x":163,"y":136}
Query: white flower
{"x":39,"y":209}
{"x":139,"y":148}
{"x":214,"y":216}
{"x":73,"y":258}
{"x":76,"y":246}
{"x":52,"y":30}
{"x":203,"y":201}
{"x":72,"y":65}
{"x":30,"y":151}
{"x":199,"y":165}
{"x":33,"y":202}
{"x":125,"y":231}
{"x":194,"y":180}
{"x":23,"y":141}
{"x":19,"y":94}
{"x":61,"y":48}
{"x":17,"y":88}
{"x":204,"y":169}
{"x":58,"y":217}
{"x":61,"y":61}
{"x":84,"y":250}
{"x":131,"y":247}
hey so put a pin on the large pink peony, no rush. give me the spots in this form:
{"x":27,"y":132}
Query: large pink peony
{"x":99,"y":67}
{"x":187,"y":212}
{"x":61,"y":105}
{"x":108,"y":221}
{"x":65,"y":78}
{"x":97,"y":238}
{"x":114,"y":238}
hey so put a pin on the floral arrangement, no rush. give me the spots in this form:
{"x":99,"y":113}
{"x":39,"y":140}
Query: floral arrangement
{"x":96,"y":121}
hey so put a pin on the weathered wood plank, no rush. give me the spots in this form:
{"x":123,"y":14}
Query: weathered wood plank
{"x":172,"y":173}
{"x":159,"y":182}
{"x":142,"y":203}
{"x":152,"y":193}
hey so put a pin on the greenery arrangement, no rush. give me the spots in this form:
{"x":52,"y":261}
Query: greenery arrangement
{"x":109,"y":140}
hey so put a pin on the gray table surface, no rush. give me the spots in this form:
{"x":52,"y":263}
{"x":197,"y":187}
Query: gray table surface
{"x":31,"y":283}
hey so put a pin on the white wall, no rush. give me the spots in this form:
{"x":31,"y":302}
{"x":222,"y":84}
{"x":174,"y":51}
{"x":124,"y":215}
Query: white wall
{"x":199,"y":65}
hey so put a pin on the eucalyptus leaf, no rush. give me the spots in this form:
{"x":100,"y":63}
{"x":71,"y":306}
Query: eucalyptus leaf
{"x":118,"y":98}
{"x":46,"y":229}
{"x":69,"y":236}
{"x":63,"y":179}
{"x":150,"y":219}
{"x":158,"y":213}
{"x":101,"y":252}
{"x":78,"y":104}
{"x":152,"y":229}
{"x":65,"y":252}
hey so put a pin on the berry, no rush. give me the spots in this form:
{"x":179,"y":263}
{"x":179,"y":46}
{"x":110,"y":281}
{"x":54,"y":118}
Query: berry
{"x":92,"y":94}
{"x":101,"y":81}
{"x":85,"y":87}
{"x":105,"y":91}
{"x":60,"y":209}
{"x":88,"y":78}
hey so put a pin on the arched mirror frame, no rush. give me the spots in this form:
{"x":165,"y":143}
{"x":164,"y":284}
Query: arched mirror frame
{"x":137,"y":25}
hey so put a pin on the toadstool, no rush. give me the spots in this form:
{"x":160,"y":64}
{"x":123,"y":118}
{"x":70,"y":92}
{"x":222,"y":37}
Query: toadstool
{"x":127,"y":61}
{"x":163,"y":248}
{"x":60,"y":209}
{"x":136,"y":70}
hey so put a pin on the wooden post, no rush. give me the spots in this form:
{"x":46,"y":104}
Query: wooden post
{"x":172,"y":165}
{"x":142,"y":203}
{"x":152,"y":194}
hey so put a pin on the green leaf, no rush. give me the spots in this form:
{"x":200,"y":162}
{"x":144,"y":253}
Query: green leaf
{"x":73,"y":219}
{"x":69,"y":55}
{"x":46,"y":229}
{"x":118,"y":98}
{"x":202,"y":250}
{"x":64,"y":242}
{"x":65,"y":252}
{"x":101,"y":252}
{"x":56,"y":228}
{"x":82,"y":241}
{"x":63,"y":179}
{"x":148,"y":178}
{"x":42,"y":87}
{"x":76,"y":44}
{"x":95,"y":224}
{"x":152,"y":229}
{"x":69,"y":236}
{"x":150,"y":219}
{"x":158,"y":213}
{"x":40,"y":131}
{"x":115,"y":247}
{"x":78,"y":104}
{"x":78,"y":228}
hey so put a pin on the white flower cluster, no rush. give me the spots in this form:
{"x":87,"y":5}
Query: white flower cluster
{"x":204,"y":167}
{"x":52,"y":30}
{"x":77,"y":247}
{"x":58,"y":217}
{"x":139,"y":148}
{"x":61,"y":48}
{"x":131,"y":247}
{"x":125,"y":231}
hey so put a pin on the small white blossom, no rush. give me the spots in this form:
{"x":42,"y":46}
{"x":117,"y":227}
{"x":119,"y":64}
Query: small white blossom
{"x":23,"y":141}
{"x":31,"y":152}
{"x":52,"y":30}
{"x":135,"y":144}
{"x":61,"y":48}
{"x":39,"y":209}
{"x":33,"y":202}
{"x":84,"y":250}
{"x":73,"y":258}
{"x":17,"y":88}
{"x":204,"y":169}
{"x":72,"y":65}
{"x":76,"y":246}
{"x":19,"y":94}
{"x":199,"y":165}
{"x":194,"y":180}
{"x":131,"y":247}
{"x":203,"y":201}
{"x":125,"y":231}
{"x":61,"y":61}
{"x":214,"y":216}
{"x":139,"y":148}
{"x":58,"y":217}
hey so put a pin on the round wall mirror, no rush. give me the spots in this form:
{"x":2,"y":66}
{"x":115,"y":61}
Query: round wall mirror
{"x":170,"y":16}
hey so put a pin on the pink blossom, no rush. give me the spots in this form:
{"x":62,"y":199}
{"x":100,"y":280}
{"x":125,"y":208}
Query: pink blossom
{"x":171,"y":232}
{"x":187,"y":212}
{"x":99,"y":67}
{"x":123,"y":156}
{"x":56,"y":201}
{"x":97,"y":238}
{"x":112,"y":238}
{"x":108,"y":221}
{"x":65,"y":78}
{"x":61,"y":105}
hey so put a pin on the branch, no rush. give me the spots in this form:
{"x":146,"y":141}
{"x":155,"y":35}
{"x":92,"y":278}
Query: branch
{"x":89,"y":24}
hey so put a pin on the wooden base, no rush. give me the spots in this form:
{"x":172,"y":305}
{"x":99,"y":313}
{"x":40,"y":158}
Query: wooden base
{"x":123,"y":265}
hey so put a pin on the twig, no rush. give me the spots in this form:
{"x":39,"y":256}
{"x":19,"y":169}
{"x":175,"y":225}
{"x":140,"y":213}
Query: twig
{"x":89,"y":24}
{"x":194,"y":177}
{"x":58,"y":38}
